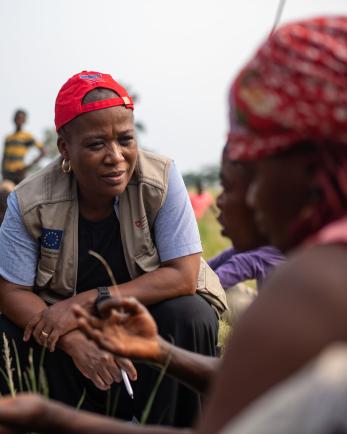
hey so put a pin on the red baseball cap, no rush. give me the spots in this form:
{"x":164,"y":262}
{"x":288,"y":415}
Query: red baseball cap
{"x":68,"y":104}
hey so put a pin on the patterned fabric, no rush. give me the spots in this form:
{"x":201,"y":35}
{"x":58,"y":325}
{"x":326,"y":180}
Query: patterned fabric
{"x":294,"y":89}
{"x":15,"y":149}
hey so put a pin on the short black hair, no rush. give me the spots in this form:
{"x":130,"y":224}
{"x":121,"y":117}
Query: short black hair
{"x":19,"y":112}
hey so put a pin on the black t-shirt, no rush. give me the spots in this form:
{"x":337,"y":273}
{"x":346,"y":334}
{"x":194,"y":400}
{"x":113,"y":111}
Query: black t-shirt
{"x":104,"y":238}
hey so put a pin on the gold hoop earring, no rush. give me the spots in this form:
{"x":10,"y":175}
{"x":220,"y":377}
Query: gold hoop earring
{"x":66,"y":166}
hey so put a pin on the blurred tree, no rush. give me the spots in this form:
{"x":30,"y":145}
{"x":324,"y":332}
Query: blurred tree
{"x":139,"y":125}
{"x":209,"y":175}
{"x":50,"y":142}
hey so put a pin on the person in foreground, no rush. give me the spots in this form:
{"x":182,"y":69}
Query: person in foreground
{"x":131,"y":207}
{"x":291,"y":102}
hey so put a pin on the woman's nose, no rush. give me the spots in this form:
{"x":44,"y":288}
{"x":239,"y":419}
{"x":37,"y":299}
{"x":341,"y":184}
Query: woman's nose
{"x":114,"y":152}
{"x":219,"y":200}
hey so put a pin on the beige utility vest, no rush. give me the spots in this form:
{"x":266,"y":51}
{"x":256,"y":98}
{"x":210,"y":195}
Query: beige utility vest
{"x":48,"y":202}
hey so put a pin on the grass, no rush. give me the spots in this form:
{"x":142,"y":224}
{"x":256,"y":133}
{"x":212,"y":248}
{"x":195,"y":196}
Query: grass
{"x":210,"y":232}
{"x":213,"y":243}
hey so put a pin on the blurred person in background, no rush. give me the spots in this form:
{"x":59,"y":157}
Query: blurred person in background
{"x":249,"y":257}
{"x":16,"y":148}
{"x":201,"y":200}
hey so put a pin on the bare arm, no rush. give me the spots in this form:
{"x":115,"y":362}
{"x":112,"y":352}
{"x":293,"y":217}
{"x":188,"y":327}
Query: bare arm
{"x":300,"y":310}
{"x":18,"y":303}
{"x":172,"y":279}
{"x":34,"y":413}
{"x":194,"y":370}
{"x":127,"y":329}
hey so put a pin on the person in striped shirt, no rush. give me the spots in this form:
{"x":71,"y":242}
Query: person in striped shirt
{"x":16,"y":147}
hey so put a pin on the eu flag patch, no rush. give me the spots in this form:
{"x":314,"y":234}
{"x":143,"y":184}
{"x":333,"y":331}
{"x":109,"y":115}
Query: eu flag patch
{"x":51,"y":238}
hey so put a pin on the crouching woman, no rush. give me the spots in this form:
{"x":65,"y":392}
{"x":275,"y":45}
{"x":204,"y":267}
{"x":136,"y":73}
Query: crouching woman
{"x":131,"y":207}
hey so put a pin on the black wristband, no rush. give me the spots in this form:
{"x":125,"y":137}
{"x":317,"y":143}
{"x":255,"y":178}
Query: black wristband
{"x":103,"y":294}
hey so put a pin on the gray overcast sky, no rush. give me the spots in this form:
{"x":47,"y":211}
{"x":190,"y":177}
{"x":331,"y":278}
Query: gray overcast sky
{"x":179,"y":56}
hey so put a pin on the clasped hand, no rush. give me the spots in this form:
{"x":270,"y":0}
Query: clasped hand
{"x":54,"y":321}
{"x":101,"y":367}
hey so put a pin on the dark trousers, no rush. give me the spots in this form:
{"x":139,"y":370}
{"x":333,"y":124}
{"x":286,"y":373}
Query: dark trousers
{"x":188,"y":321}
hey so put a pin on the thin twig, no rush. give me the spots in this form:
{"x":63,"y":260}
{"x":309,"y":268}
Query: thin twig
{"x":279,"y":12}
{"x":153,"y":394}
{"x":108,"y":268}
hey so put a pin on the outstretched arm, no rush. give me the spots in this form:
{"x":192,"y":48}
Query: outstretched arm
{"x":27,"y":413}
{"x":127,"y":329}
{"x":300,"y":311}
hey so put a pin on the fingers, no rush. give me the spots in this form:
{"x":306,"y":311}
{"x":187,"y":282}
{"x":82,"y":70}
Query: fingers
{"x":41,"y":332}
{"x":99,"y":382}
{"x":89,"y":329}
{"x":110,"y":371}
{"x":129,"y":304}
{"x":52,"y":340}
{"x":31,"y":325}
{"x":128,"y":367}
{"x":80,"y":312}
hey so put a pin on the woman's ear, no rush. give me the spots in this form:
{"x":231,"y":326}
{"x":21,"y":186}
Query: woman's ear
{"x":62,"y":146}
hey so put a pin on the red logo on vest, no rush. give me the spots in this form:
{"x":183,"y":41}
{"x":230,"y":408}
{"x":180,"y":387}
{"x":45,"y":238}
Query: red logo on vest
{"x":140,"y":223}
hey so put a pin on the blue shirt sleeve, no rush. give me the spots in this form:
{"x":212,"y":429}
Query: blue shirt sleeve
{"x":175,"y":229}
{"x":18,"y":250}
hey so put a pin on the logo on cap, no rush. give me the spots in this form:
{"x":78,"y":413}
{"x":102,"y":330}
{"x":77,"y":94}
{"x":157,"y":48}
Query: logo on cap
{"x":90,"y":76}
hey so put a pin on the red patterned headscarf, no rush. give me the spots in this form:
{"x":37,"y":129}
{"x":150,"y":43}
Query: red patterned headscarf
{"x":293,"y":90}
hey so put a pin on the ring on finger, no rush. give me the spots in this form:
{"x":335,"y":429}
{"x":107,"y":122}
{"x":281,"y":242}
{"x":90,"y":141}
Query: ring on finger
{"x":44,"y":334}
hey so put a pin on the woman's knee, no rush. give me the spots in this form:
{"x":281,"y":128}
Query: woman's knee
{"x":191,"y":311}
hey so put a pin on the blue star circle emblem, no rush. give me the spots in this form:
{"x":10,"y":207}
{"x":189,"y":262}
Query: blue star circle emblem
{"x":51,"y":238}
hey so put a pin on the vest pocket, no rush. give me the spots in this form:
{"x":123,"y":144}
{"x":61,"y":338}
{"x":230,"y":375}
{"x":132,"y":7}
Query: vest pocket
{"x":46,"y":267}
{"x":210,"y":288}
{"x":147,"y":260}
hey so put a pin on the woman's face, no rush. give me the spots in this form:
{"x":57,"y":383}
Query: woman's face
{"x":278,"y":194}
{"x":102,"y":149}
{"x":235,"y":216}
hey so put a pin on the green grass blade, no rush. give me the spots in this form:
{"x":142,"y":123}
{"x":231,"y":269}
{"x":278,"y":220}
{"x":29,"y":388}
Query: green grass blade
{"x":26,"y":381}
{"x":153,"y":394}
{"x":115,"y":402}
{"x":108,"y":402}
{"x":31,"y":371}
{"x":8,"y":365}
{"x":18,"y":366}
{"x":82,"y":398}
{"x":3,"y":373}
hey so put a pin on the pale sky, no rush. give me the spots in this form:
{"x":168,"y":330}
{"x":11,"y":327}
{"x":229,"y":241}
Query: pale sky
{"x":179,"y":56}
